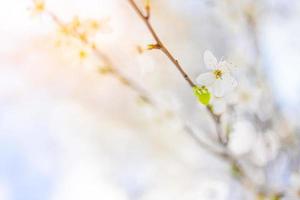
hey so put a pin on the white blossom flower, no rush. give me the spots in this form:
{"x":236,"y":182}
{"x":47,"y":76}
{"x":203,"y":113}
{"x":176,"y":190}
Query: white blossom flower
{"x":242,"y":138}
{"x":219,"y":78}
{"x":247,"y":97}
{"x":265,"y":148}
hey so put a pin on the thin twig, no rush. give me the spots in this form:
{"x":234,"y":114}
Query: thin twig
{"x":159,"y":44}
{"x":204,"y":145}
{"x":104,"y":58}
{"x":227,"y":157}
{"x":218,"y":125}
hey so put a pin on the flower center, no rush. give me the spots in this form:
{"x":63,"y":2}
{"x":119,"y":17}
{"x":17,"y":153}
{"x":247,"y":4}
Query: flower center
{"x":218,"y":73}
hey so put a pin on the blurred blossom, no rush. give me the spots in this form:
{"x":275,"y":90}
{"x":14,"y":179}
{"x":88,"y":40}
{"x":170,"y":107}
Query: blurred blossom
{"x":265,"y":148}
{"x":246,"y":98}
{"x":294,"y":186}
{"x":212,"y":189}
{"x":243,"y":138}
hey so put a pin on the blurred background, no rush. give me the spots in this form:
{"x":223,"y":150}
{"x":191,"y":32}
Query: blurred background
{"x":70,"y":132}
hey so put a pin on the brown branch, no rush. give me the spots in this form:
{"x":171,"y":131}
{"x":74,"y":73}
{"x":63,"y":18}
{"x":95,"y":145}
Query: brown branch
{"x":159,"y":43}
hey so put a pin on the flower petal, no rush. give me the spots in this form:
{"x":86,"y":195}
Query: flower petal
{"x":210,"y":60}
{"x":229,"y":82}
{"x":219,"y":105}
{"x":224,"y":63}
{"x":206,"y":79}
{"x":219,"y":89}
{"x":227,"y":65}
{"x":224,"y":66}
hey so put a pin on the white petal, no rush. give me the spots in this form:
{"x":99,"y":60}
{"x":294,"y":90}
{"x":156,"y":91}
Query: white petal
{"x":229,"y":82}
{"x":219,"y":105}
{"x":210,"y":60}
{"x":219,"y":89}
{"x":243,"y":138}
{"x":224,"y":66}
{"x":206,"y":79}
{"x":227,"y":65}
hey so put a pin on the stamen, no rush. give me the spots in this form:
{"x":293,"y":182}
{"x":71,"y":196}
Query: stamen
{"x":218,"y":73}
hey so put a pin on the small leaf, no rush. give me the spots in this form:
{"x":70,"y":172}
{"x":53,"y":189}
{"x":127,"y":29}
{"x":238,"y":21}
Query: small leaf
{"x":202,"y":94}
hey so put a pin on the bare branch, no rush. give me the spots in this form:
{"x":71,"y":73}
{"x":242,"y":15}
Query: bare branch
{"x":162,"y":47}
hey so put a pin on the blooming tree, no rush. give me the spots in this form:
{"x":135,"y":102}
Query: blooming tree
{"x":250,"y":134}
